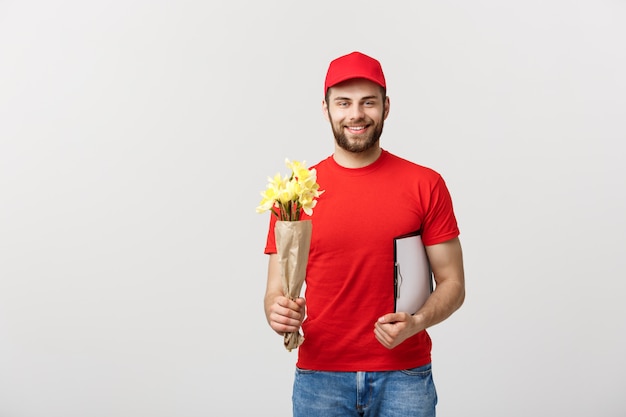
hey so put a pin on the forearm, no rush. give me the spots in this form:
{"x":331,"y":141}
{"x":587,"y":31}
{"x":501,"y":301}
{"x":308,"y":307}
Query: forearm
{"x":282,"y":314}
{"x":271,"y":298}
{"x":445,"y":300}
{"x":273,"y":288}
{"x":447,"y":264}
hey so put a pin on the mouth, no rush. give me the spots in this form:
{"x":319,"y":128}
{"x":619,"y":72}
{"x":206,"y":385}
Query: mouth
{"x":357,"y":129}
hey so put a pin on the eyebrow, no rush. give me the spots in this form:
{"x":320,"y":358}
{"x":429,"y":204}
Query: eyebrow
{"x":362,"y":98}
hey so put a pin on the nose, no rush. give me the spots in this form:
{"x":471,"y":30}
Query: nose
{"x":356,"y":112}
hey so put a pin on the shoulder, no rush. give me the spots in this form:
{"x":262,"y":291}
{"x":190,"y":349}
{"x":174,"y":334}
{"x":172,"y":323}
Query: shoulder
{"x":323,"y":164}
{"x":411,"y":168}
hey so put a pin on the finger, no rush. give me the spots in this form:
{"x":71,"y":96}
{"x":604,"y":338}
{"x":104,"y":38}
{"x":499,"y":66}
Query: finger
{"x":391,"y":330}
{"x":294,"y":305}
{"x":383,"y":338}
{"x":391,"y":318}
{"x":282,"y":323}
{"x":291,"y":310}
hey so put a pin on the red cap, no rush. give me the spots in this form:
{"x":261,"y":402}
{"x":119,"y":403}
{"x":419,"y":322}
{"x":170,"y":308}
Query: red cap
{"x":354,"y":65}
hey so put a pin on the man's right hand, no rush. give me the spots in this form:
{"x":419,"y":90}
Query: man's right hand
{"x":285,"y":315}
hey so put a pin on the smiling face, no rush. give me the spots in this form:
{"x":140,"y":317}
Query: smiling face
{"x":356,"y":110}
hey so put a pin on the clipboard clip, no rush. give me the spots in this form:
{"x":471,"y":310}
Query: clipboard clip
{"x":397,"y":280}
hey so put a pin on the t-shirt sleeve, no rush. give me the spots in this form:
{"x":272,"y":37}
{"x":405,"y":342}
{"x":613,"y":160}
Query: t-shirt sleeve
{"x":270,"y":244}
{"x":440,"y":222}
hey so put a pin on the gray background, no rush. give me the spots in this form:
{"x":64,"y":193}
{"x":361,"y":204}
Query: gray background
{"x":136,"y":136}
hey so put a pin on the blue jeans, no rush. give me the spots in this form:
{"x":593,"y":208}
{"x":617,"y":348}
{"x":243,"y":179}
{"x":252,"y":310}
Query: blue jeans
{"x":407,"y":393}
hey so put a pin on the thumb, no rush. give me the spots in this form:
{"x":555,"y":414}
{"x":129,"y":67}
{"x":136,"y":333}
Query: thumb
{"x":389,"y":318}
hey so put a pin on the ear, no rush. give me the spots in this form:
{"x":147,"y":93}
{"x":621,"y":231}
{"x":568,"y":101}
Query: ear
{"x":325,"y":110}
{"x":386,"y":111}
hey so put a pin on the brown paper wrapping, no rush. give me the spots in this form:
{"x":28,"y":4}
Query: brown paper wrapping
{"x":293,"y":240}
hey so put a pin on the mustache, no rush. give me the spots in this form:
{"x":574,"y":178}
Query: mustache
{"x":358,"y":122}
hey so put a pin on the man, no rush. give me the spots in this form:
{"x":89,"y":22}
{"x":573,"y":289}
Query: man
{"x":359,"y":357}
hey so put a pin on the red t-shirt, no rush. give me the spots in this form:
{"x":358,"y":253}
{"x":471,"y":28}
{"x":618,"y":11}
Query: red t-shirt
{"x":350,"y":273}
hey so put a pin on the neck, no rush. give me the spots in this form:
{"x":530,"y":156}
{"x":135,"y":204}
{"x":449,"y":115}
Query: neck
{"x":349,"y":159}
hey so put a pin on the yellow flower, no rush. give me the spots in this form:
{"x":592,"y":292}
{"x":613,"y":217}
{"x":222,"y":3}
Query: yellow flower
{"x":271,"y":193}
{"x":298,"y":169}
{"x":291,"y":194}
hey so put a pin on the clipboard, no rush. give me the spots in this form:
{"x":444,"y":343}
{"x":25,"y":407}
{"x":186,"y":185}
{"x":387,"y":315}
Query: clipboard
{"x":413,"y":277}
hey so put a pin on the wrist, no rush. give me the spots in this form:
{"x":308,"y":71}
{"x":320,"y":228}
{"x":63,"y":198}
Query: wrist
{"x":419,"y":321}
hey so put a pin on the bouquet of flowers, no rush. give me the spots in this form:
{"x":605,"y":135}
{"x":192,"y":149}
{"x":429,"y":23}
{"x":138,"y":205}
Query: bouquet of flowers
{"x":287,"y":197}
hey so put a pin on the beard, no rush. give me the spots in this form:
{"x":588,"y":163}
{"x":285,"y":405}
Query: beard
{"x":364,"y":143}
